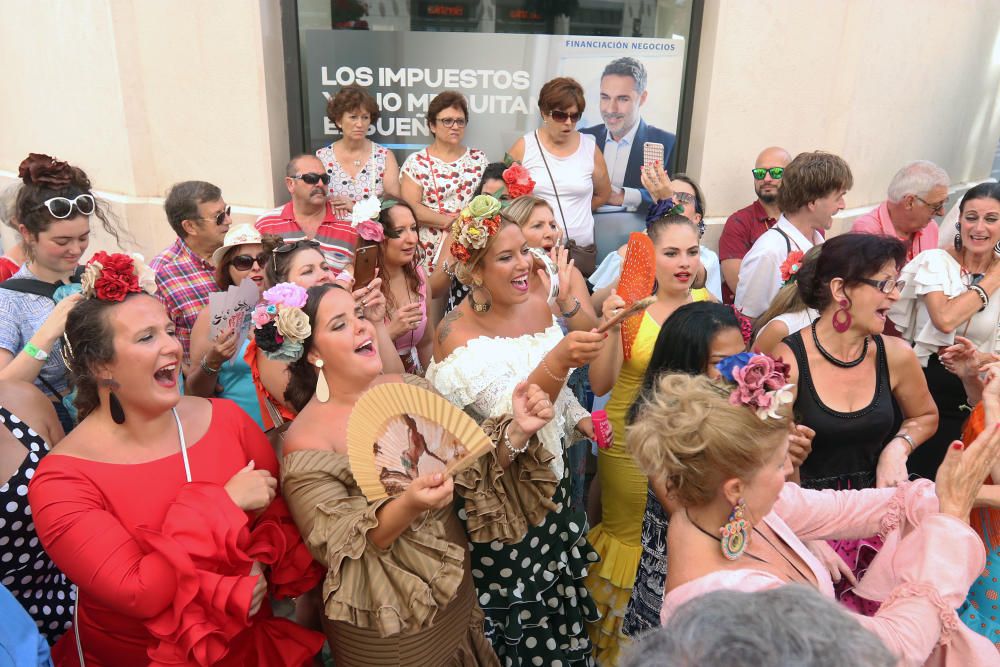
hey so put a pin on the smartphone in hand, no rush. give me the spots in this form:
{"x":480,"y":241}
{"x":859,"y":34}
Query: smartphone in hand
{"x":652,"y":152}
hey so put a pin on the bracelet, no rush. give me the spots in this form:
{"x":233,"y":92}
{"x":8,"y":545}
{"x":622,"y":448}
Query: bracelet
{"x":208,"y":369}
{"x":35,"y":352}
{"x":576,"y":309}
{"x":983,"y":296}
{"x":545,"y":367}
{"x":514,"y":451}
{"x":909,"y":441}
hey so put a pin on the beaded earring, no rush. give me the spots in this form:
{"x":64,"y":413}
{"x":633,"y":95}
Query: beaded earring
{"x":735,"y":532}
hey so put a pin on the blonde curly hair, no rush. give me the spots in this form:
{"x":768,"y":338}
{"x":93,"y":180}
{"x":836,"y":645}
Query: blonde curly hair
{"x":687,"y":433}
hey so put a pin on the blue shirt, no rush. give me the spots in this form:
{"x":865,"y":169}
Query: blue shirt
{"x":20,"y":643}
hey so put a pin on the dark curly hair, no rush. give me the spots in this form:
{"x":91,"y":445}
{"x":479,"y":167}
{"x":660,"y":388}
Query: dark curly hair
{"x":89,"y":343}
{"x":43,"y":178}
{"x":302,"y":374}
{"x":348,"y":99}
{"x":280,"y":263}
{"x":413,"y":280}
{"x":851,"y":257}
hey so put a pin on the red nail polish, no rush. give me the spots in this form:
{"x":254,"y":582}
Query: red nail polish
{"x":957,"y":445}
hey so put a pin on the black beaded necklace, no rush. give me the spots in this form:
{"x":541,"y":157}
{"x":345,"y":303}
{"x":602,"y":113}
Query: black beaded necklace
{"x":834,"y":360}
{"x":801,"y":574}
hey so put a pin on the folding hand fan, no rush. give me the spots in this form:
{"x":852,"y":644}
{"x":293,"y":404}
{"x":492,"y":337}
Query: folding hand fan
{"x":636,"y":282}
{"x":398,"y":432}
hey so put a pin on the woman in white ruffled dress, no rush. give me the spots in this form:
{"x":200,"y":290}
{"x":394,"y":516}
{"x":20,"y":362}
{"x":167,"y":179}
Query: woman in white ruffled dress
{"x":950,"y":295}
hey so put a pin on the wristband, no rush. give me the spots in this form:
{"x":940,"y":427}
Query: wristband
{"x":573,"y":311}
{"x":909,"y":441}
{"x":35,"y":352}
{"x":208,"y":370}
{"x":983,"y":296}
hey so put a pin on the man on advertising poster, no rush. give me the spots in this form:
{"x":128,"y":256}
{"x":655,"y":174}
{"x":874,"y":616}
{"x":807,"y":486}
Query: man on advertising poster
{"x":623,"y":133}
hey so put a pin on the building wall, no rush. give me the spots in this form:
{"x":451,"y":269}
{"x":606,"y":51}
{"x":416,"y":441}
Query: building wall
{"x":879,"y":83}
{"x":145,"y":94}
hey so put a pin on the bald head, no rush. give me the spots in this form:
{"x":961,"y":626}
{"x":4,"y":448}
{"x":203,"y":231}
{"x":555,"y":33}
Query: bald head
{"x":767,"y":187}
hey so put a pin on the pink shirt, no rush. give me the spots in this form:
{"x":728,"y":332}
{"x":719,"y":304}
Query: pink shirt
{"x":921,"y":575}
{"x":877,"y":221}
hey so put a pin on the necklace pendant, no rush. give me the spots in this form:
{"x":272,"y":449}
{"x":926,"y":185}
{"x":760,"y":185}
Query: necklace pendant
{"x":357,"y":163}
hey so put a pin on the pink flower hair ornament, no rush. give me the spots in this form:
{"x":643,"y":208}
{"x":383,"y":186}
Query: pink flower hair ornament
{"x":761,"y":383}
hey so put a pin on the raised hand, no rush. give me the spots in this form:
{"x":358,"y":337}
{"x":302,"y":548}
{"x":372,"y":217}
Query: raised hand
{"x":429,"y":492}
{"x":964,"y":470}
{"x":579,"y":348}
{"x":656,"y":181}
{"x":532,"y":408}
{"x":252,"y":489}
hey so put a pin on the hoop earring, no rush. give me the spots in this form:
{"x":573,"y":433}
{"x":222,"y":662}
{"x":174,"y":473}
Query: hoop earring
{"x":481,"y":306}
{"x":735,"y":532}
{"x":996,"y":250}
{"x":844,"y":323}
{"x":322,"y":388}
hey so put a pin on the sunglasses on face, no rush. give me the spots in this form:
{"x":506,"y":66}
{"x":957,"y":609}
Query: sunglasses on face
{"x":220,"y":217}
{"x":246,"y":262}
{"x":62,"y":208}
{"x":313,"y":178}
{"x":562,"y":116}
{"x":684,"y":197}
{"x":885,"y":286}
{"x":776,"y":172}
{"x":452,"y":122}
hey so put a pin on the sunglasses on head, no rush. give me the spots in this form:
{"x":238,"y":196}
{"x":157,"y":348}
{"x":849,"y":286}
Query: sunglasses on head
{"x":220,"y":217}
{"x":562,"y":116}
{"x":293,"y":245}
{"x":312,"y":178}
{"x":246,"y":262}
{"x":62,"y":207}
{"x":776,"y":172}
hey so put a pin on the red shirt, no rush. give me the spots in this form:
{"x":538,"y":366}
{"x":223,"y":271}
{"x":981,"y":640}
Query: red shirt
{"x":337,"y":238}
{"x":742,"y":228}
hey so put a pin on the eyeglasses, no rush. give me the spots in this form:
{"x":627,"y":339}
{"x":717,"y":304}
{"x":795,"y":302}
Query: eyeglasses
{"x":312,"y":178}
{"x":246,"y":262}
{"x":935,"y":208}
{"x":562,"y":116}
{"x":452,"y":122}
{"x":760,"y":172}
{"x":220,"y":217}
{"x":885,"y":286}
{"x":62,"y":207}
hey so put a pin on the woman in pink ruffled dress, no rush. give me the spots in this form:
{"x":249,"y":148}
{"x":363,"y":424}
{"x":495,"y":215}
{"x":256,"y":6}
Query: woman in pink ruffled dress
{"x":723,"y":453}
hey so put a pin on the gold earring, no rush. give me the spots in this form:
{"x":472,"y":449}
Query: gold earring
{"x":480,"y":306}
{"x":322,"y":388}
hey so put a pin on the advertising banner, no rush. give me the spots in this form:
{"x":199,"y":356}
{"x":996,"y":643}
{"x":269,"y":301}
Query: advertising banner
{"x":500,"y":75}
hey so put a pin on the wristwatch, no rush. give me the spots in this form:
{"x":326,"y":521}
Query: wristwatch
{"x":35,"y":352}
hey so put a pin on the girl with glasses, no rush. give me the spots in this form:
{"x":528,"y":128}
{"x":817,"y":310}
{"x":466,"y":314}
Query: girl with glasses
{"x":439,"y":181}
{"x":853,"y":385}
{"x":568,"y":167}
{"x":53,"y":209}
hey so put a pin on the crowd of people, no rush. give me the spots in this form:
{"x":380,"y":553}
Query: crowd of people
{"x":784,"y":455}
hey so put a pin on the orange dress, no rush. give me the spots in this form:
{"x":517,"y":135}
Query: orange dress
{"x":163,"y":564}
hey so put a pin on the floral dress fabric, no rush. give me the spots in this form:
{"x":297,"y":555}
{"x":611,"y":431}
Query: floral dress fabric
{"x":532,"y":592}
{"x":365,"y":184}
{"x":447,"y":188}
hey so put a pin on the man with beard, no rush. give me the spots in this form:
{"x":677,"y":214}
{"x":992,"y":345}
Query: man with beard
{"x":309,"y":214}
{"x":747,"y":224}
{"x":623,"y":133}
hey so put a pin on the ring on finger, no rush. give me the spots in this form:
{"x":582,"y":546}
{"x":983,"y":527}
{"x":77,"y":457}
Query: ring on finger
{"x":364,"y":302}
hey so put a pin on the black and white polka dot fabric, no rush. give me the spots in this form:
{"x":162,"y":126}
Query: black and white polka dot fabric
{"x":25,"y":568}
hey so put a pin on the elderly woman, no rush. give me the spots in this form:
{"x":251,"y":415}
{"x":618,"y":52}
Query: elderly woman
{"x":568,"y":168}
{"x":358,"y":167}
{"x":952,"y":292}
{"x":724,"y":453}
{"x":163,"y":508}
{"x":440,"y":180}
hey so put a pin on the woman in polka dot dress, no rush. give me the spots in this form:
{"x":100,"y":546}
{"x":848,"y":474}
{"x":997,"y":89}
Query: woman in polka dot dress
{"x":441,"y":179}
{"x":358,"y":167}
{"x":25,"y":568}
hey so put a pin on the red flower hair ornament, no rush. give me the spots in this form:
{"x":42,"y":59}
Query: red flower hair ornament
{"x":112,"y":277}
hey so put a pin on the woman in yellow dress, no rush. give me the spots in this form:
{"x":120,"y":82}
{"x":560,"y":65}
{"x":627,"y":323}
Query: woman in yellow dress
{"x":617,"y":538}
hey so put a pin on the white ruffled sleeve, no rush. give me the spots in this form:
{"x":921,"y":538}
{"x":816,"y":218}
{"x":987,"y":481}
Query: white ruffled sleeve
{"x":480,"y":377}
{"x":931,"y":271}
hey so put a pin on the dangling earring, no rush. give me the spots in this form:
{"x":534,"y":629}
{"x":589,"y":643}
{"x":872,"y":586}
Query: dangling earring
{"x":322,"y":388}
{"x":480,"y":306}
{"x":844,"y":323}
{"x":736,"y":532}
{"x":114,"y":405}
{"x":996,"y":250}
{"x":958,"y":237}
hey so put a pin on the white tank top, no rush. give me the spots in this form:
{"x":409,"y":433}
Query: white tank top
{"x":574,"y":181}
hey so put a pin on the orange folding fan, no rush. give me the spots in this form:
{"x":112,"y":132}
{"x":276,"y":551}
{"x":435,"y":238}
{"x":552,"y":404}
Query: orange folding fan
{"x":636,"y":282}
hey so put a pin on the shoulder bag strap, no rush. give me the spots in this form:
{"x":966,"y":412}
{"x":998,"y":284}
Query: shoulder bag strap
{"x":541,"y":151}
{"x":788,"y":241}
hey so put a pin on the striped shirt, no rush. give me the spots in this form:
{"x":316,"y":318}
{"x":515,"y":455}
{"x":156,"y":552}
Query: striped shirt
{"x":183,"y":282}
{"x":337,"y":238}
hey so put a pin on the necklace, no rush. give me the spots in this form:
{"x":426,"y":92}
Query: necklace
{"x":717,"y":538}
{"x":834,"y":360}
{"x":795,"y":567}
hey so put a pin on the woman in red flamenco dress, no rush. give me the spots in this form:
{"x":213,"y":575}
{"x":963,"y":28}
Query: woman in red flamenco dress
{"x":162,"y":509}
